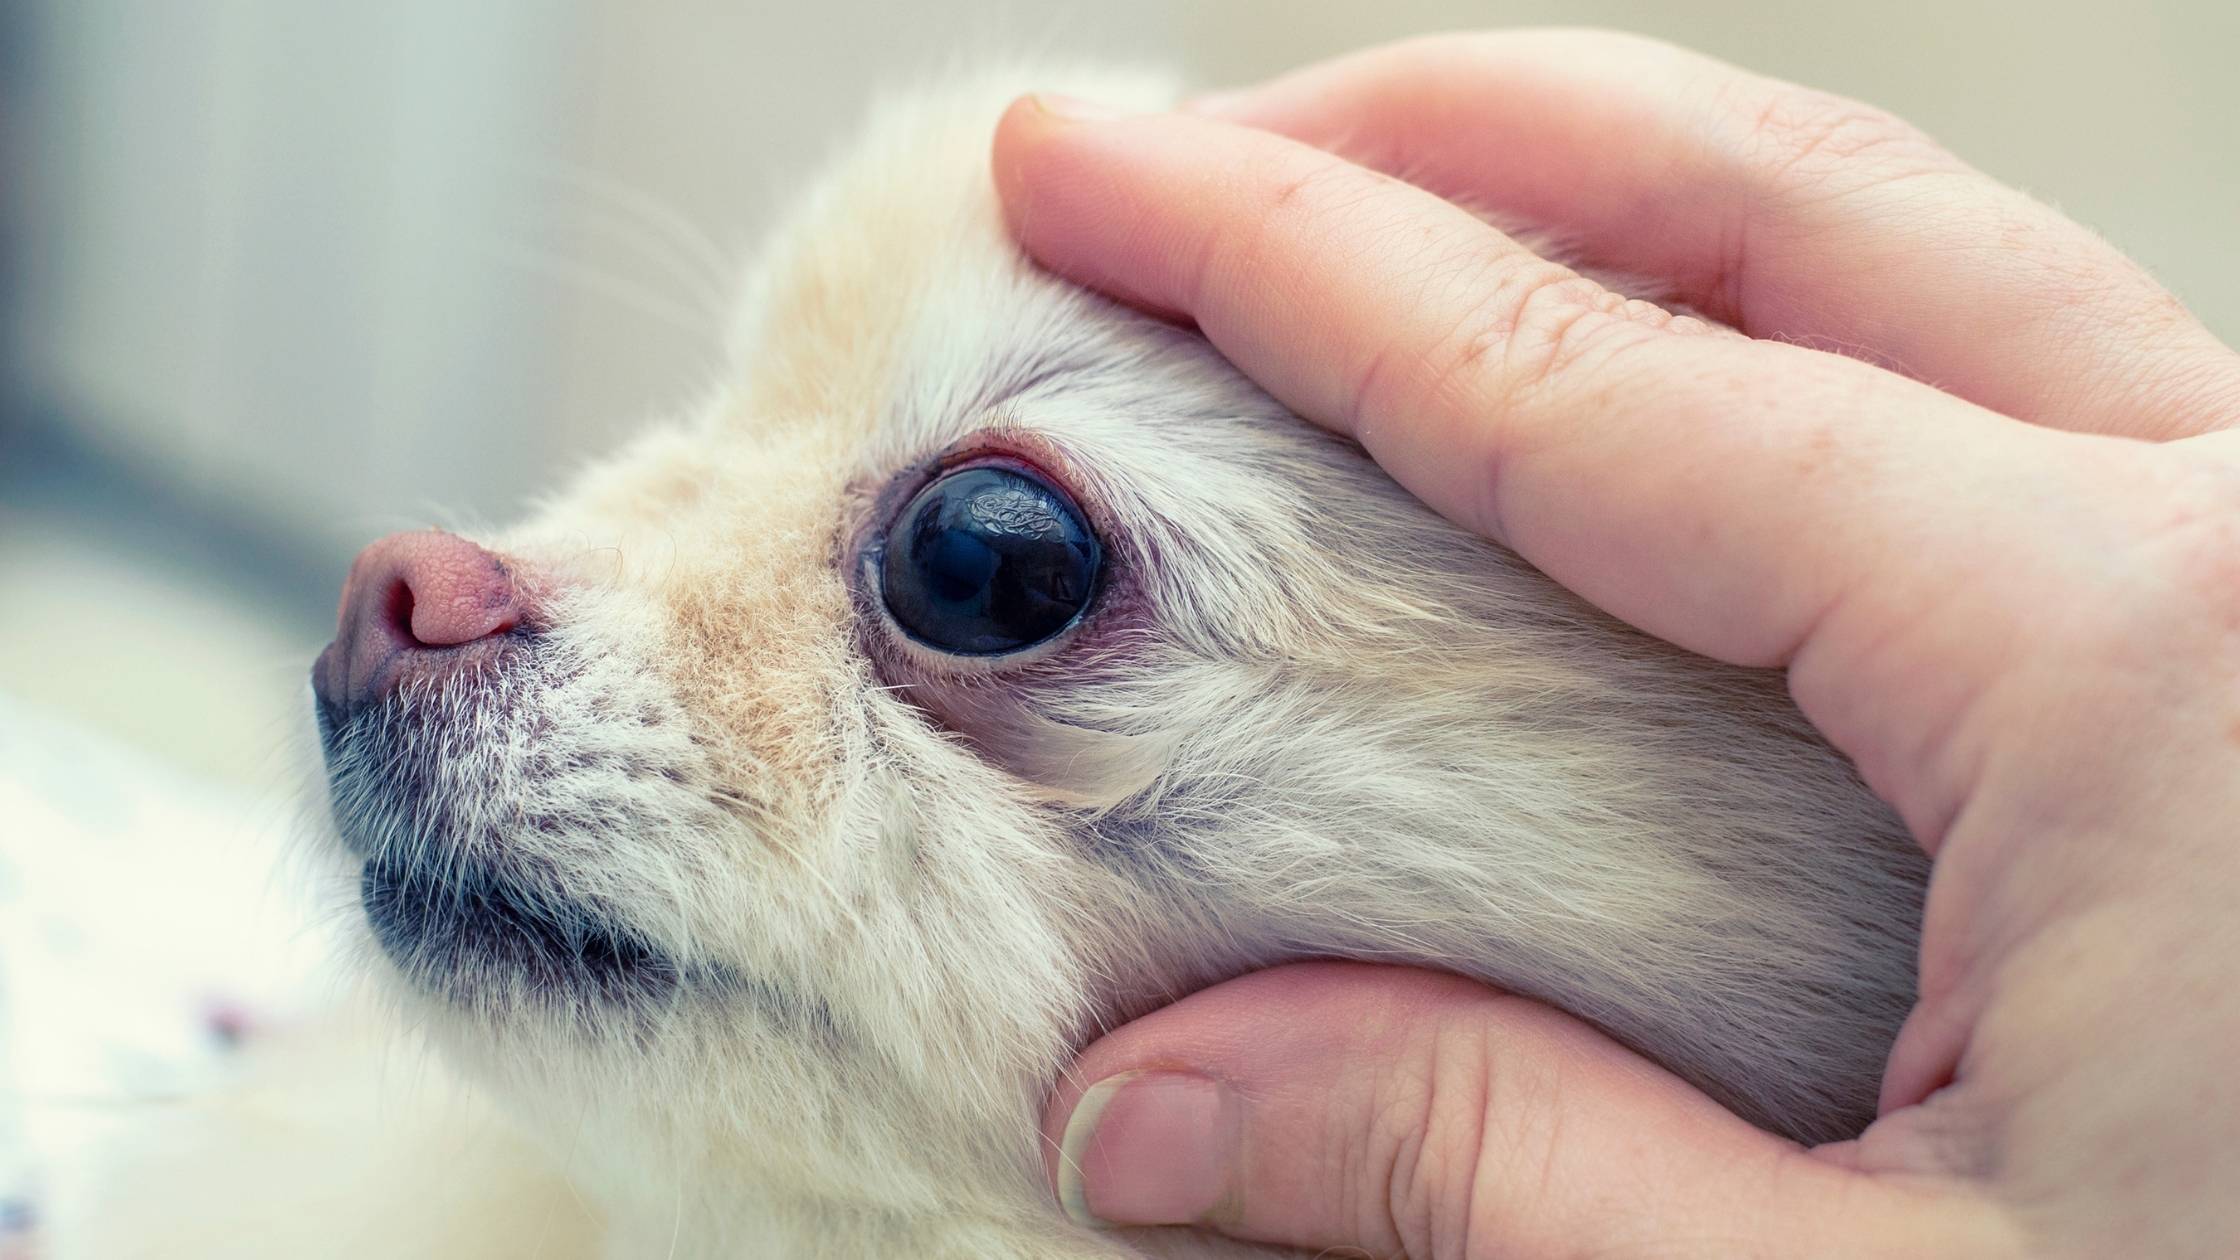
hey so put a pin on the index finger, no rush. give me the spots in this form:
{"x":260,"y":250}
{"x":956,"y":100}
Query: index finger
{"x":1728,"y":495}
{"x":1788,"y":213}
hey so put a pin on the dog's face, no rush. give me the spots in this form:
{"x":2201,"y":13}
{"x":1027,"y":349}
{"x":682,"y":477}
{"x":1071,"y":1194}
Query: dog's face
{"x":981,"y":663}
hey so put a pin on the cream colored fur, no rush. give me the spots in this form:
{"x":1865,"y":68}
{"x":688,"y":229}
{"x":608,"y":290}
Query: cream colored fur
{"x":1307,"y":718}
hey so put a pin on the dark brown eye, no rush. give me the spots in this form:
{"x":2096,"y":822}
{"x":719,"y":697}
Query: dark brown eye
{"x":988,"y":560}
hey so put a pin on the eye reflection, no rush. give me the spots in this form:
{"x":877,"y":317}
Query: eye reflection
{"x":988,"y":560}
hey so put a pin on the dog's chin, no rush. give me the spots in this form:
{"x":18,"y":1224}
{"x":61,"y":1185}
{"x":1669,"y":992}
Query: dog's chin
{"x":490,"y":941}
{"x":468,"y":915}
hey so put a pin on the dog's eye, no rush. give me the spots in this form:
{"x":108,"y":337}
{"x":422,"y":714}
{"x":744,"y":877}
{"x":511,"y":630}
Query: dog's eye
{"x":988,"y":560}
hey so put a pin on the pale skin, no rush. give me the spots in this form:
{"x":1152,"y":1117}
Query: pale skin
{"x":1954,"y":463}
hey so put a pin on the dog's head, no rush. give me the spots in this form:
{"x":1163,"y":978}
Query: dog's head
{"x":982,"y":663}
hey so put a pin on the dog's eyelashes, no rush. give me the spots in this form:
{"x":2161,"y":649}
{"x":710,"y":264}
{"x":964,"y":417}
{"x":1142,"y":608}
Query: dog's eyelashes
{"x":988,"y":560}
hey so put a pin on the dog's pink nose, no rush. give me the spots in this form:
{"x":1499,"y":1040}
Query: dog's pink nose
{"x":410,"y":598}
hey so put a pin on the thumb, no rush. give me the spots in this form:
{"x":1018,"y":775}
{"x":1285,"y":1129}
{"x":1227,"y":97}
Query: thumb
{"x":1329,"y":1105}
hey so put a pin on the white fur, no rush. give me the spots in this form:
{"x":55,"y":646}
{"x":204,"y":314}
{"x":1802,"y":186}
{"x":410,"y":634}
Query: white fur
{"x":1309,"y":718}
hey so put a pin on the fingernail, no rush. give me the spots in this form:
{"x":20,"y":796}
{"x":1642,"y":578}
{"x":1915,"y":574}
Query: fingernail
{"x":1074,"y":109}
{"x":1149,"y":1148}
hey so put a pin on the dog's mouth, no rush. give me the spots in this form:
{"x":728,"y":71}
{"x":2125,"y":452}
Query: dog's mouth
{"x":476,"y":935}
{"x":438,"y":815}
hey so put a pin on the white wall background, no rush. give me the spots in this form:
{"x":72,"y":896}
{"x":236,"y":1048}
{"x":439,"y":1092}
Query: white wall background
{"x":326,"y":269}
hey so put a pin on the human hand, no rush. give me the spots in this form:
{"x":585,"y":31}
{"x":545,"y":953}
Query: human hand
{"x":1995,"y":542}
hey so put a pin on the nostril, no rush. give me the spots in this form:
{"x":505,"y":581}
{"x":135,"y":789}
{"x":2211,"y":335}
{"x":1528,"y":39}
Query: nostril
{"x":453,"y":612}
{"x":439,"y":590}
{"x":396,"y":611}
{"x":410,"y":597}
{"x":457,"y":597}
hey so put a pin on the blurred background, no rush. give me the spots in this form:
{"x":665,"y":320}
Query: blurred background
{"x":279,"y":276}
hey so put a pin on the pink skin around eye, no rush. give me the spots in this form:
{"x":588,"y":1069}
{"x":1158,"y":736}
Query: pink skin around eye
{"x":989,"y":700}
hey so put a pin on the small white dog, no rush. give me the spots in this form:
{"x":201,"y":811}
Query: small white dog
{"x":982,"y":664}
